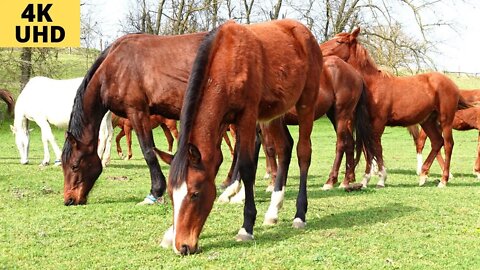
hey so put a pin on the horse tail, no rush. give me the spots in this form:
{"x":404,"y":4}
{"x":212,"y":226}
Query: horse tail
{"x":331,"y":114}
{"x":363,"y":128}
{"x":194,"y":92}
{"x":9,"y":100}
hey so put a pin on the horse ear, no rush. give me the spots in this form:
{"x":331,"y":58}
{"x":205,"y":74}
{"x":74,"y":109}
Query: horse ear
{"x":71,"y":139}
{"x":354,"y":34}
{"x":13,"y":129}
{"x":194,"y":156}
{"x":166,"y":157}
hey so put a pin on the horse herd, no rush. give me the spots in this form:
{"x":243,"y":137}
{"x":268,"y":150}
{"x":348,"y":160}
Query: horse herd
{"x":255,"y":80}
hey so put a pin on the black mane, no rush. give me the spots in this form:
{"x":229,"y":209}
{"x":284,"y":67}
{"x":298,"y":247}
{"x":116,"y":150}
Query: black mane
{"x":76,"y":124}
{"x":178,"y":168}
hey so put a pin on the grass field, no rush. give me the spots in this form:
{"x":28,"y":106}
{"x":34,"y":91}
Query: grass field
{"x":400,"y":227}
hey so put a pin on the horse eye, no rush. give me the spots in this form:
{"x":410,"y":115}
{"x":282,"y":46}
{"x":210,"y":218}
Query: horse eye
{"x":195,"y":195}
{"x":74,"y":167}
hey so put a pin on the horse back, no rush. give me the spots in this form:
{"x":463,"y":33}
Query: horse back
{"x":279,"y":60}
{"x":471,"y":96}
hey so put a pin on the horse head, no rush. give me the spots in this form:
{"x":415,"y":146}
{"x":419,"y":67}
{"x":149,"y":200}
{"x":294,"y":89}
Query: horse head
{"x":342,"y":45}
{"x":193,"y":194}
{"x":81,"y":168}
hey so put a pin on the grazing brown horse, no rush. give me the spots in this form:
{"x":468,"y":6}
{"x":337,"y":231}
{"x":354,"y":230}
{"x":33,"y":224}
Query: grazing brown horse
{"x":402,"y":101}
{"x":342,"y":97}
{"x":6,"y":96}
{"x":137,"y":76}
{"x":467,"y":119}
{"x":169,"y":127}
{"x":242,"y":74}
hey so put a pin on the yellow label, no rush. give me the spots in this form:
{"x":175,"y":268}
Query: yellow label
{"x":40,"y":23}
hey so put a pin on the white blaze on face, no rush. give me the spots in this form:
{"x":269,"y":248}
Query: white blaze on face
{"x":179,"y":195}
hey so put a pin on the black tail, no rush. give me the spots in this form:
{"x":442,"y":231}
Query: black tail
{"x":196,"y":82}
{"x":363,"y":128}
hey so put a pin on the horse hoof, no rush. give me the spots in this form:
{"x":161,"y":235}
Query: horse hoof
{"x":298,"y":223}
{"x":150,"y":200}
{"x":270,"y":221}
{"x":243,"y":236}
{"x":44,"y":164}
{"x":327,"y":187}
{"x":223,"y":198}
{"x":343,"y":186}
{"x":380,"y":186}
{"x":57,"y":163}
{"x":423,"y":180}
{"x":442,"y":184}
{"x":270,"y":188}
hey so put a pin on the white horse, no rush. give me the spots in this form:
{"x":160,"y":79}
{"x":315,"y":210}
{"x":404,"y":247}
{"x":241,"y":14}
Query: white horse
{"x":47,"y":101}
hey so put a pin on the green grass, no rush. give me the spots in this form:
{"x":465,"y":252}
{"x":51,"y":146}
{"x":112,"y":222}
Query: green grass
{"x":400,"y":227}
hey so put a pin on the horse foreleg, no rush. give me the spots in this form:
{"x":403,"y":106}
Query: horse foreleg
{"x":283,"y":141}
{"x":117,"y":140}
{"x":140,"y":123}
{"x":436,"y":141}
{"x":247,"y":168}
{"x":448,"y":146}
{"x":47,"y":136}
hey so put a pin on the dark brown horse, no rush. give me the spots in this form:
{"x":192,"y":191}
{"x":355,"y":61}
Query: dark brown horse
{"x":169,"y":127}
{"x":467,"y":119}
{"x":242,"y":74}
{"x":137,"y":76}
{"x":6,"y":96}
{"x":427,"y":99}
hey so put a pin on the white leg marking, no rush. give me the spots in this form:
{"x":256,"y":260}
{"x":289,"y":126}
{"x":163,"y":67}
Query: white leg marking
{"x":240,"y":196}
{"x":366,"y":179}
{"x":419,"y":163}
{"x":266,"y":176}
{"x":327,"y":187}
{"x":271,"y":217}
{"x":374,"y":168}
{"x":383,"y":176}
{"x":441,"y":185}
{"x":229,"y":192}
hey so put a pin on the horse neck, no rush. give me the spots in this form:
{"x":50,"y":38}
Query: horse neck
{"x":361,"y":61}
{"x":206,"y":134}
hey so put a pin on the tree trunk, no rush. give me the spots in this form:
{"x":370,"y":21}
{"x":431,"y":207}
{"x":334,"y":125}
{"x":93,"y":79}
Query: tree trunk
{"x":25,"y":66}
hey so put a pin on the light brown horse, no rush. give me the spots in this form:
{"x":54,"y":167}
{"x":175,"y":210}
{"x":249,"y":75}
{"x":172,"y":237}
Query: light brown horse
{"x":169,"y":127}
{"x":467,"y":119}
{"x":6,"y":96}
{"x":402,"y":101}
{"x":242,"y":74}
{"x":137,"y":76}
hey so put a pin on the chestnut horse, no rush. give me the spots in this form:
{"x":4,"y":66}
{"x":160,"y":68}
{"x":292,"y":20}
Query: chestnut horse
{"x":168,"y":126}
{"x":137,"y":76}
{"x":241,"y":74}
{"x":342,"y":97}
{"x":6,"y":96}
{"x":402,"y":101}
{"x":467,"y":119}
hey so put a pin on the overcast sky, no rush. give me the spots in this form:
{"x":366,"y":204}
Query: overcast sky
{"x":458,"y":51}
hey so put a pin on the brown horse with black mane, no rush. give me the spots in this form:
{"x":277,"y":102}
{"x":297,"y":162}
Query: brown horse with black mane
{"x":242,"y":74}
{"x":137,"y":76}
{"x":6,"y":96}
{"x":427,"y":99}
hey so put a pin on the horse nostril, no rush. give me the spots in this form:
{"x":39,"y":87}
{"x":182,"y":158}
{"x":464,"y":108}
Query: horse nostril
{"x":69,"y":202}
{"x":185,"y":250}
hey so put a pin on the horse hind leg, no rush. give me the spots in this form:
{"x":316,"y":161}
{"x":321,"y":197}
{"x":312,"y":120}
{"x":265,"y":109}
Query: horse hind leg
{"x":476,"y":168}
{"x":47,"y":136}
{"x":117,"y":140}
{"x":283,"y":143}
{"x":431,"y":129}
